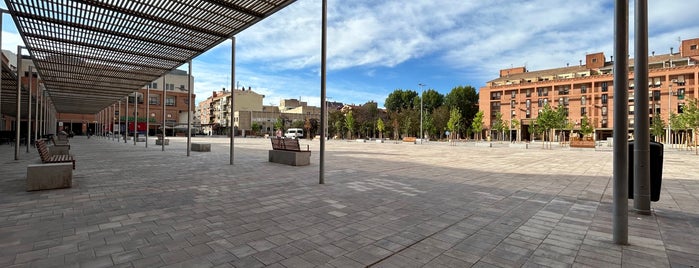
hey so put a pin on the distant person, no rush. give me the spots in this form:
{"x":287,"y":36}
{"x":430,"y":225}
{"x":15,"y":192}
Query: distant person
{"x":279,"y":133}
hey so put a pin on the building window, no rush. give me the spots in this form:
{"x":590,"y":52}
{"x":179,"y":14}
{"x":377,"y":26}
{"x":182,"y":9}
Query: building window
{"x":540,"y":103}
{"x":604,"y":110}
{"x":170,"y":101}
{"x":512,"y":103}
{"x":693,"y":47}
{"x":154,"y":100}
{"x":514,"y":94}
{"x":513,"y":114}
{"x":604,"y":98}
{"x":563,"y":90}
{"x":529,"y":93}
{"x":680,"y":94}
{"x":154,"y":85}
{"x":583,"y":100}
{"x":495,"y":95}
{"x":656,"y":95}
{"x":182,"y":88}
{"x":528,"y":104}
{"x":583,"y":111}
{"x":594,"y":60}
{"x":583,"y":89}
{"x":604,"y":87}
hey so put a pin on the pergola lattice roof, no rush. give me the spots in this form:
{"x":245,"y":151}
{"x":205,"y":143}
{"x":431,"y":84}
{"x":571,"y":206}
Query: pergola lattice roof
{"x":90,"y":53}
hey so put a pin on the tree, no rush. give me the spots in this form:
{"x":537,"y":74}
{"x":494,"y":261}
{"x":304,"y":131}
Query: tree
{"x":676,"y":124}
{"x":498,"y":124}
{"x":465,"y":98}
{"x":585,"y":127}
{"x":256,"y":127}
{"x":400,"y":100}
{"x":454,"y":124}
{"x":380,"y":127}
{"x":428,"y":125}
{"x":307,"y":126}
{"x":477,"y":124}
{"x":547,"y":120}
{"x":431,"y":99}
{"x":440,"y":117}
{"x":350,"y":123}
{"x":691,"y":118}
{"x":279,"y":124}
{"x":515,"y":125}
{"x":658,"y":127}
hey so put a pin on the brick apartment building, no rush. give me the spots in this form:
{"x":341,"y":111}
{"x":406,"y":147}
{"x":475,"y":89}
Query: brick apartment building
{"x":176,"y":108}
{"x":588,"y":89}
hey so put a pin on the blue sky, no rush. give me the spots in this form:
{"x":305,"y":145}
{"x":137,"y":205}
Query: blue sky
{"x":375,"y":47}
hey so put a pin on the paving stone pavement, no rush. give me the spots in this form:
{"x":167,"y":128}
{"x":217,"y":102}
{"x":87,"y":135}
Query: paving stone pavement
{"x":383,"y":205}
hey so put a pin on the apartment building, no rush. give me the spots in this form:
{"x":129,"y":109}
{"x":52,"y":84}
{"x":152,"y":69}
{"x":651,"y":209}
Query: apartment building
{"x":173,"y":86}
{"x":587,"y":89}
{"x":249,"y":109}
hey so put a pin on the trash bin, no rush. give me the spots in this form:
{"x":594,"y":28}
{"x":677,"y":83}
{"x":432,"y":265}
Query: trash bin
{"x":656,"y":170}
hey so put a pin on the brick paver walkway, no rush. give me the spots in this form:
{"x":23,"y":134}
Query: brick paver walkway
{"x":383,"y":205}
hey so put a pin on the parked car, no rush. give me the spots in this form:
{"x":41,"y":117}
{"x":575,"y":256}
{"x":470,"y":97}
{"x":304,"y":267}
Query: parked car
{"x":294,"y":133}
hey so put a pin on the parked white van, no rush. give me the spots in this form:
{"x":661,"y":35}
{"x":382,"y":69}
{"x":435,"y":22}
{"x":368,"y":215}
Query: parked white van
{"x":294,"y":133}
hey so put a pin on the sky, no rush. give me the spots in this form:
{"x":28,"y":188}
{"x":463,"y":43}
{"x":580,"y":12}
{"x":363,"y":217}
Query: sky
{"x":376,"y":47}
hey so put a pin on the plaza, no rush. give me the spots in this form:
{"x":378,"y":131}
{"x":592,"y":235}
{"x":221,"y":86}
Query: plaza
{"x":382,"y":205}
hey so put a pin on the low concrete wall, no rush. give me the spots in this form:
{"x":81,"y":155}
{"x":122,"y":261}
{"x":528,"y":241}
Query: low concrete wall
{"x":160,"y":142}
{"x":59,"y":150}
{"x":49,"y":176}
{"x":291,"y":158}
{"x":201,"y":147}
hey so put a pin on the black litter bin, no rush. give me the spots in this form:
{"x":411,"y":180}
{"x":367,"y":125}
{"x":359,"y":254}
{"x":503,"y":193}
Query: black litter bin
{"x":656,"y":170}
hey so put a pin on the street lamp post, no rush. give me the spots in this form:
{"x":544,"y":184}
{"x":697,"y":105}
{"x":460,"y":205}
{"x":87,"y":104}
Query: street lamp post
{"x":422,"y":93}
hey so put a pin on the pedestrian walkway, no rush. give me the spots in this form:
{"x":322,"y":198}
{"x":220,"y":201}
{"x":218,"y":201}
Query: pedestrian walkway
{"x":383,"y":205}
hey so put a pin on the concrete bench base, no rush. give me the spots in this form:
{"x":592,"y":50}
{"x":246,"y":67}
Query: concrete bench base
{"x":484,"y":144}
{"x":59,"y":149}
{"x":160,"y":142}
{"x":201,"y":147}
{"x":49,"y":176}
{"x":292,"y":158}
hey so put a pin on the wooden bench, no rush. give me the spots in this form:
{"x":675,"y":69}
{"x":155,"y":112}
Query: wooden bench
{"x":46,"y":157}
{"x":289,"y":152}
{"x":410,"y":139}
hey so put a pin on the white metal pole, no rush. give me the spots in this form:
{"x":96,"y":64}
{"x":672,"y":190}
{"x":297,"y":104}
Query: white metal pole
{"x":189,"y":108}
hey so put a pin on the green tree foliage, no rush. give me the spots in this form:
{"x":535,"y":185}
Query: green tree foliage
{"x":256,"y":127}
{"x":350,"y":123}
{"x":336,"y":123}
{"x":454,"y":123}
{"x":465,"y":99}
{"x":380,"y":127}
{"x":279,"y":124}
{"x":400,"y":100}
{"x":550,"y":119}
{"x":432,"y":100}
{"x":499,"y":125}
{"x":428,"y":125}
{"x":585,"y":127}
{"x":657,"y":129}
{"x":477,"y":124}
{"x":440,"y":117}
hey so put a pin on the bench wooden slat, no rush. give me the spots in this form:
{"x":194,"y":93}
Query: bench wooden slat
{"x":286,"y":144}
{"x":47,"y":158}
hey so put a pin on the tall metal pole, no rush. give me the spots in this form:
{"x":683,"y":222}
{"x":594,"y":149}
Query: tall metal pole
{"x":641,"y":149}
{"x":189,"y":108}
{"x":119,"y":120}
{"x":669,"y":112}
{"x":620,"y":213}
{"x":29,"y":108}
{"x":126,"y":120}
{"x":232,"y":100}
{"x":135,"y":117}
{"x":19,"y":101}
{"x":147,"y":113}
{"x":323,"y":77}
{"x":36,"y":108}
{"x":422,"y":94}
{"x":162,"y":142}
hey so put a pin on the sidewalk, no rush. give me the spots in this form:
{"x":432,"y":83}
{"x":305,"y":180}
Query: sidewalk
{"x":383,"y":205}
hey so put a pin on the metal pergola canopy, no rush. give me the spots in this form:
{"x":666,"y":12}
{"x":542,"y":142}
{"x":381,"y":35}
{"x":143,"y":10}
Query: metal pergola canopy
{"x":90,"y":53}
